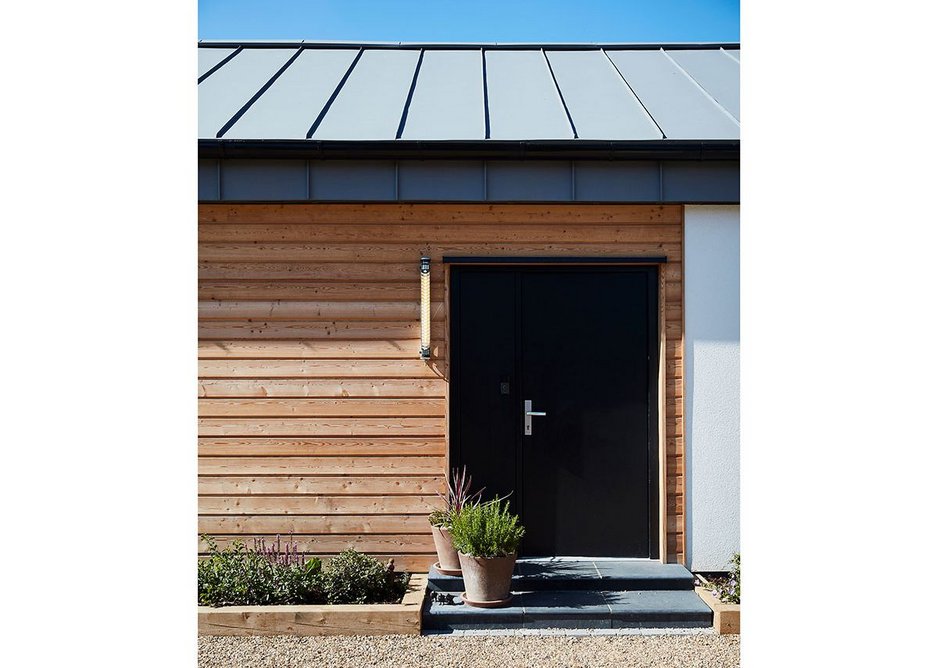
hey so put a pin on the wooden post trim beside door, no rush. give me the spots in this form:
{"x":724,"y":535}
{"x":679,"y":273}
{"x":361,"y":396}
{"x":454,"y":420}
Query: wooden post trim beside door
{"x":662,"y":423}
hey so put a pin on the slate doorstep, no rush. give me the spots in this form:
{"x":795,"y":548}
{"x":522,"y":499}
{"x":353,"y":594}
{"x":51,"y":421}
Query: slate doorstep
{"x":565,"y":609}
{"x":319,"y":620}
{"x":725,"y":615}
{"x":616,"y":575}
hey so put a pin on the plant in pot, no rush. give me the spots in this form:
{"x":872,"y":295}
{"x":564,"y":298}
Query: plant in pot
{"x":459,"y":494}
{"x":486,"y":536}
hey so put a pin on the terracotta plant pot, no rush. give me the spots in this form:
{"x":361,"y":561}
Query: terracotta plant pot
{"x":487,"y":581}
{"x":449,"y":559}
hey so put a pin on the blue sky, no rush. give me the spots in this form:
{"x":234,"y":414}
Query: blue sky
{"x":472,"y":20}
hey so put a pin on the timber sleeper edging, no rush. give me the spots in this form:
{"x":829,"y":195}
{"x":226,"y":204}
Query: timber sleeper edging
{"x":372,"y":619}
{"x":725,"y":615}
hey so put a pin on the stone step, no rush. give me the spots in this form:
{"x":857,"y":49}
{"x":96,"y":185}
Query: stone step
{"x":571,"y":609}
{"x":599,"y":575}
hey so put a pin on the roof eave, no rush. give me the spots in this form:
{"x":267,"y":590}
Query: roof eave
{"x":580,"y":149}
{"x":449,"y":46}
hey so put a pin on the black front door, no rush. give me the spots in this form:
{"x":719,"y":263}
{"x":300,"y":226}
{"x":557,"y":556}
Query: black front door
{"x":579,"y":344}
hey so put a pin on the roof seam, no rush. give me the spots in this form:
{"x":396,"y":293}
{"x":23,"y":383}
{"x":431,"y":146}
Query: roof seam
{"x":410,"y":96}
{"x":335,"y":94}
{"x":634,"y":94}
{"x":485,"y":98}
{"x":270,"y":82}
{"x":730,"y":55}
{"x":560,"y":94}
{"x":219,"y":65}
{"x":702,"y":89}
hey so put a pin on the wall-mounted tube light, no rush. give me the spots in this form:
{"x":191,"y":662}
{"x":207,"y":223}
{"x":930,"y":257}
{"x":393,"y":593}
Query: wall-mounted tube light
{"x":424,"y":308}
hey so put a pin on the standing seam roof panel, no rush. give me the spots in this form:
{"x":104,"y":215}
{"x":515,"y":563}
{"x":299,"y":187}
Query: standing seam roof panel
{"x":223,"y":94}
{"x":447,"y":102}
{"x":371,"y":102}
{"x":288,"y":108}
{"x":209,"y":58}
{"x":715,"y":72}
{"x":601,"y":105}
{"x":523,"y":100}
{"x":677,"y":104}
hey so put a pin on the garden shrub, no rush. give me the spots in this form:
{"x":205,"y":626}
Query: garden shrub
{"x":278,"y":575}
{"x":728,"y":589}
{"x":238,"y":576}
{"x":353,"y":577}
{"x":486,"y":530}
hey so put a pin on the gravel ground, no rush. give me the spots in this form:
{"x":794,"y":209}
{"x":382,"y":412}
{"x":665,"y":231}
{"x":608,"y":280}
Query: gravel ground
{"x":443,"y":651}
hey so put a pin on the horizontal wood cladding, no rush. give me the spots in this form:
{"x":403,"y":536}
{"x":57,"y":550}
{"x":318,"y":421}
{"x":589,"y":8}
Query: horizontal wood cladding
{"x":437,"y":213}
{"x":316,"y":417}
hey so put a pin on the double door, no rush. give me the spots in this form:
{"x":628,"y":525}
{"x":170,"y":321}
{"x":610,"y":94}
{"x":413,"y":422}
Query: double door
{"x":554,"y":401}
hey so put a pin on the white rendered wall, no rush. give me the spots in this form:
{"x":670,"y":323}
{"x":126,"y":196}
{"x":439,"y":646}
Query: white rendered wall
{"x":711,"y":403}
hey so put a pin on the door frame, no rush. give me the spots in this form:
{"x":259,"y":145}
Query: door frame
{"x":659,"y":387}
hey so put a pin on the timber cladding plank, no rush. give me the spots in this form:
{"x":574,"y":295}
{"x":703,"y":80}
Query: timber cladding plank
{"x":323,"y":484}
{"x":316,"y":349}
{"x":337,"y":387}
{"x":316,"y":505}
{"x":312,"y":466}
{"x":246,"y":290}
{"x":329,"y":447}
{"x":405,"y":368}
{"x":281,"y":310}
{"x":321,"y":407}
{"x":316,"y":330}
{"x":310,"y":388}
{"x":322,"y":426}
{"x":293,"y":524}
{"x":405,"y":253}
{"x":335,"y":543}
{"x":418,"y":213}
{"x":455,"y":233}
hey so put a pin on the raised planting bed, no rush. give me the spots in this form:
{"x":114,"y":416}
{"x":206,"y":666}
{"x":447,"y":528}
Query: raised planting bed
{"x":725,"y":615}
{"x":374,"y":619}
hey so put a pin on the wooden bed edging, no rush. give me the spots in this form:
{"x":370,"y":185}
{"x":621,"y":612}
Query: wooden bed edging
{"x":375,"y":619}
{"x":725,"y":615}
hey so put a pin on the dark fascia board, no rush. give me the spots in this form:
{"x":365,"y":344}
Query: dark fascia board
{"x":656,"y":149}
{"x":560,"y":46}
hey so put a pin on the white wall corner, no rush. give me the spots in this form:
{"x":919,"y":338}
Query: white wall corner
{"x":711,"y":395}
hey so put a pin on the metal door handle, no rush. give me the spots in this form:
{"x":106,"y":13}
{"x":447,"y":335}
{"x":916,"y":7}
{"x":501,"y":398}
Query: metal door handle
{"x":528,"y":414}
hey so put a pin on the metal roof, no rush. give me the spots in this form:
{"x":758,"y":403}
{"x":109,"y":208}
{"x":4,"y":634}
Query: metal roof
{"x":561,"y":93}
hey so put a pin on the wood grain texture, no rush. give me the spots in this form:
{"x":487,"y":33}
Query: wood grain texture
{"x":311,"y":397}
{"x":333,"y":387}
{"x":725,"y":615}
{"x":221,"y":481}
{"x":319,"y":620}
{"x":452,"y":213}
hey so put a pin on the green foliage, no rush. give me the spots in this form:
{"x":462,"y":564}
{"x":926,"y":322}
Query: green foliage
{"x":239,"y":576}
{"x":353,"y":577}
{"x":486,"y":530}
{"x":729,"y":589}
{"x":440,"y":518}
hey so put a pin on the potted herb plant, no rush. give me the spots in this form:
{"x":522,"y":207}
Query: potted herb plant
{"x":487,"y":537}
{"x":458,"y":496}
